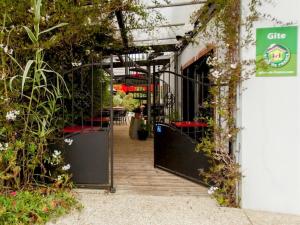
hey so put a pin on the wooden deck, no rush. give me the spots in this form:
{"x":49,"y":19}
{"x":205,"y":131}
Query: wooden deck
{"x":134,"y":171}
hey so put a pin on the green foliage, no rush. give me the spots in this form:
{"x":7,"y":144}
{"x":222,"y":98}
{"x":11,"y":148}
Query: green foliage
{"x":173,"y":116}
{"x":102,"y":93}
{"x":126,"y":101}
{"x":224,"y":173}
{"x":29,"y":118}
{"x":117,"y":100}
{"x":39,"y":40}
{"x":35,"y":207}
{"x":226,"y":75}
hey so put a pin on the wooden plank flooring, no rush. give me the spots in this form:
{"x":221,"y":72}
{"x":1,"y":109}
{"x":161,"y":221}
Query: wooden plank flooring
{"x":134,"y":171}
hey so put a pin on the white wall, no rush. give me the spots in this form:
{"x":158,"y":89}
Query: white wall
{"x":270,"y":117}
{"x":270,"y":139}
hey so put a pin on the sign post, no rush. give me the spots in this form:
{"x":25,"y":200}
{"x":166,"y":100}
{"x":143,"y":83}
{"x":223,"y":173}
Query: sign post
{"x":276,"y":51}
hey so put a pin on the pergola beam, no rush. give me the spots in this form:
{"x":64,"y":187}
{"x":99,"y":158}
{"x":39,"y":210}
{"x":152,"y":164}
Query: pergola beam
{"x":176,"y":4}
{"x":161,"y":26}
{"x":158,"y":39}
{"x":122,"y":27}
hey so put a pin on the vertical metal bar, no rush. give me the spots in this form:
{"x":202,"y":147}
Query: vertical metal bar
{"x":176,"y":81}
{"x":102,"y":80}
{"x":72,"y":97}
{"x":159,"y":88}
{"x":154,"y":96}
{"x":169,"y":95}
{"x":92,"y":95}
{"x":126,"y":65}
{"x":81,"y":89}
{"x":112,"y":189}
{"x":63,"y":104}
{"x":182,"y":96}
{"x":188,"y":98}
{"x":163,"y":96}
{"x":202,"y":99}
{"x":149,"y":95}
{"x":195,"y":84}
{"x":187,"y":94}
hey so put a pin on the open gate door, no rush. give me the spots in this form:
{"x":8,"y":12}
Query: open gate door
{"x":179,"y":109}
{"x":88,"y":130}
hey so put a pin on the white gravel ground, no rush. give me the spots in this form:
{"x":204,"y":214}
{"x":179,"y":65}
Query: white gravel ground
{"x":127,"y":209}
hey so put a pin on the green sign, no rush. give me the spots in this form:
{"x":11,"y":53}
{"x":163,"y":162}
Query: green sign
{"x":276,"y":51}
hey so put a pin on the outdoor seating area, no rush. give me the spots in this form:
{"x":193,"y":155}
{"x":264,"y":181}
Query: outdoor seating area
{"x":120,"y":115}
{"x":148,"y":100}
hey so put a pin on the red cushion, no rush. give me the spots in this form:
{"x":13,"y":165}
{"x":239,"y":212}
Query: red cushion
{"x":190,"y":124}
{"x":98,"y":119}
{"x":76,"y":129}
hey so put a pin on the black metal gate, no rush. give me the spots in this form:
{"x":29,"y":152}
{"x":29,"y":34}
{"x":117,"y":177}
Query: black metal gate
{"x":180,"y":109}
{"x":88,"y":129}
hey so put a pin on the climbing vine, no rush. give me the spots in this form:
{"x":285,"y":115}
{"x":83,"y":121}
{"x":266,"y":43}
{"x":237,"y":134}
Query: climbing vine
{"x":39,"y":41}
{"x":226,"y":76}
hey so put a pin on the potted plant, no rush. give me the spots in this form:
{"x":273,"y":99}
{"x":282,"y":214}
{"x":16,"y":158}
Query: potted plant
{"x":143,"y":131}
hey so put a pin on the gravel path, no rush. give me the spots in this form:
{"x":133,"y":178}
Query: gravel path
{"x":101,"y":208}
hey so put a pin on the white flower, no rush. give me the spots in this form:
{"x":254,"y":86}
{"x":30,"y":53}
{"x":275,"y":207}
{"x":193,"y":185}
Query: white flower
{"x":211,"y":61}
{"x":76,"y":64}
{"x":10,"y":52}
{"x":87,"y":52}
{"x":12,"y":26}
{"x":89,"y":20}
{"x":56,"y":154}
{"x":47,"y":17}
{"x":216,"y":74}
{"x":5,"y":49}
{"x":212,"y":190}
{"x":69,"y":141}
{"x":12,"y":115}
{"x":233,"y":66}
{"x":66,"y":167}
{"x":229,"y":135}
{"x":1,"y":45}
{"x":3,"y":147}
{"x":30,"y":10}
{"x":59,"y":177}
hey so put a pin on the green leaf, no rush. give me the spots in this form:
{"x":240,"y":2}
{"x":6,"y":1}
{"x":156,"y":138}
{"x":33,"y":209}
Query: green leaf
{"x":32,"y":37}
{"x":25,"y":74}
{"x":11,"y":82}
{"x":37,"y":16}
{"x":15,"y":61}
{"x":53,"y":28}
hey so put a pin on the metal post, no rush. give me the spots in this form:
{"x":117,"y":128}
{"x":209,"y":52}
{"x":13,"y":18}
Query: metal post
{"x":102,"y":80}
{"x":81,"y":89}
{"x":154,"y":97}
{"x":126,"y":65}
{"x":149,"y":95}
{"x":72,"y":98}
{"x":176,"y":81}
{"x":92,"y":95}
{"x":112,"y":189}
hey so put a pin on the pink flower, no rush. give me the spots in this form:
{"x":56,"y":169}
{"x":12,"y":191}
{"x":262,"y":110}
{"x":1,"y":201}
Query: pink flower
{"x":13,"y":193}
